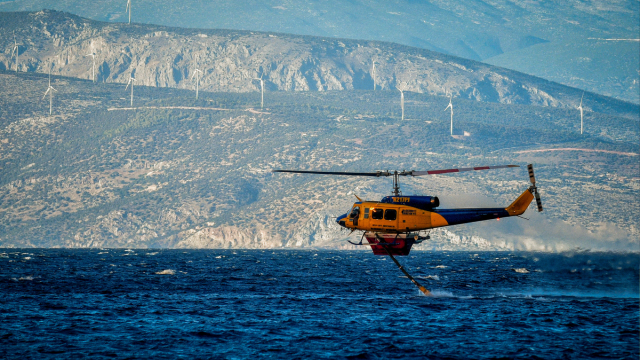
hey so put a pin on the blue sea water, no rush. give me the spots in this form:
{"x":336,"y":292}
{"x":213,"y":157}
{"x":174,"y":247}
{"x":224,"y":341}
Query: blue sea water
{"x":116,"y":303}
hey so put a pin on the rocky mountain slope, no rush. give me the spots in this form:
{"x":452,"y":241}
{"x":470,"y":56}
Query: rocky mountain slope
{"x":555,"y":40}
{"x":176,"y":172}
{"x":231,"y":60}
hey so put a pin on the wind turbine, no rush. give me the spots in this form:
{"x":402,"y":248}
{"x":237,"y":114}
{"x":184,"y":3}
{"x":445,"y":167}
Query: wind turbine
{"x":195,"y":74}
{"x":129,"y":10}
{"x":93,"y":69}
{"x":50,"y":91}
{"x":16,"y":49}
{"x":450,"y":106}
{"x":401,"y":101}
{"x":580,"y":108}
{"x":131,"y":80}
{"x":262,"y":90}
{"x":373,"y":72}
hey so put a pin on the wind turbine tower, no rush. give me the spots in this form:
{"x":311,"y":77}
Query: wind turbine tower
{"x":129,"y":10}
{"x":450,"y":106}
{"x":197,"y":76}
{"x":262,"y":90}
{"x":131,"y":80}
{"x":373,"y":72}
{"x":580,"y":108}
{"x":16,"y":50}
{"x":401,"y":101}
{"x":93,"y":68}
{"x":50,"y":91}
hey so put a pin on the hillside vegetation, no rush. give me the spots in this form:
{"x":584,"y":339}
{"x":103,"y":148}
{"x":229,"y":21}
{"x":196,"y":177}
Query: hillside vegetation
{"x":176,"y":172}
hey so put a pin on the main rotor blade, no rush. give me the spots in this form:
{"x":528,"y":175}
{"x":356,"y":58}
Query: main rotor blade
{"x":332,"y":173}
{"x":446,"y":171}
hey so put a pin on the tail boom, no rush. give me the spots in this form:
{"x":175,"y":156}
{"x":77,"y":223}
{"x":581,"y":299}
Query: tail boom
{"x":463,"y":216}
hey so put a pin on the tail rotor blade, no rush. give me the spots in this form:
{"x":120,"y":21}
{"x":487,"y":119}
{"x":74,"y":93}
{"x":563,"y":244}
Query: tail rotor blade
{"x":538,"y":201}
{"x":532,"y":177}
{"x":534,"y":189}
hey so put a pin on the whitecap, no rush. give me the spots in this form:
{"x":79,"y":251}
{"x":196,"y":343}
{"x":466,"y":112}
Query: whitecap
{"x":439,"y":267}
{"x":521,"y":270}
{"x":218,"y":257}
{"x":166,"y":272}
{"x":26,"y":278}
{"x":27,"y":258}
{"x":152,"y":253}
{"x":441,"y":294}
{"x":429,"y":277}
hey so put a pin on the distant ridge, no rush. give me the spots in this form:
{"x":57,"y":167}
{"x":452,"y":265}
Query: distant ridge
{"x":552,"y":40}
{"x":165,"y":57}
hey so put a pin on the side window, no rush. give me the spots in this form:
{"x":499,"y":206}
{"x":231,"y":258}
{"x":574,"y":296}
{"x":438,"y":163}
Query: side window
{"x":390,"y":214}
{"x":376,"y":214}
{"x":366,"y":213}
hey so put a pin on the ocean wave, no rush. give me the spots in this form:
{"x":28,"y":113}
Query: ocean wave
{"x":429,"y":277}
{"x":166,"y":272}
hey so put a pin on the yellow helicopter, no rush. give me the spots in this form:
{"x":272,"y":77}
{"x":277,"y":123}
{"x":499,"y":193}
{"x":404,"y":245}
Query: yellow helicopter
{"x":392,"y":225}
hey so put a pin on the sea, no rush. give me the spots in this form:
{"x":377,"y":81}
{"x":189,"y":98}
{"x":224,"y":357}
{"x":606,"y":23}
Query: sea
{"x":317,"y":304}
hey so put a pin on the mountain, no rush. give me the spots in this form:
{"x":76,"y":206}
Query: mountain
{"x":561,"y":41}
{"x":172,"y":171}
{"x":231,"y":60}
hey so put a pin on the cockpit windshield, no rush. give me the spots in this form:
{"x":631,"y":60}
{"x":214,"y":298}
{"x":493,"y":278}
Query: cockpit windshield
{"x":355,"y":212}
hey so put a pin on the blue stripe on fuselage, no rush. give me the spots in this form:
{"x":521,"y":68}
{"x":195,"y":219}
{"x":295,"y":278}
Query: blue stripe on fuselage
{"x":461,"y":216}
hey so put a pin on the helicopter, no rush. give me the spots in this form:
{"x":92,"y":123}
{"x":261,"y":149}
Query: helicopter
{"x":392,"y":225}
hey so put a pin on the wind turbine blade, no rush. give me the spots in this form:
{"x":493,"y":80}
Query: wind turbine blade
{"x":54,"y":89}
{"x":45,"y":94}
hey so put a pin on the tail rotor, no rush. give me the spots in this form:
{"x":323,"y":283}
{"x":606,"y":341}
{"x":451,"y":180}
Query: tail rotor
{"x":533,"y":187}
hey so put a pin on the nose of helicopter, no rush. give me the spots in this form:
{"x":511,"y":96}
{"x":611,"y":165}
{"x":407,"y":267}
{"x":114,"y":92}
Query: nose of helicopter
{"x":341,"y":220}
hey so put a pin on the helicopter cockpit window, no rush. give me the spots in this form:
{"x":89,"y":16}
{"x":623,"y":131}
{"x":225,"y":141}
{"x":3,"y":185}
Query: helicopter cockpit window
{"x":390,"y":214}
{"x":355,"y":212}
{"x":376,"y":214}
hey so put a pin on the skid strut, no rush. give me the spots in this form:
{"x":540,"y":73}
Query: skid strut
{"x":422,"y":288}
